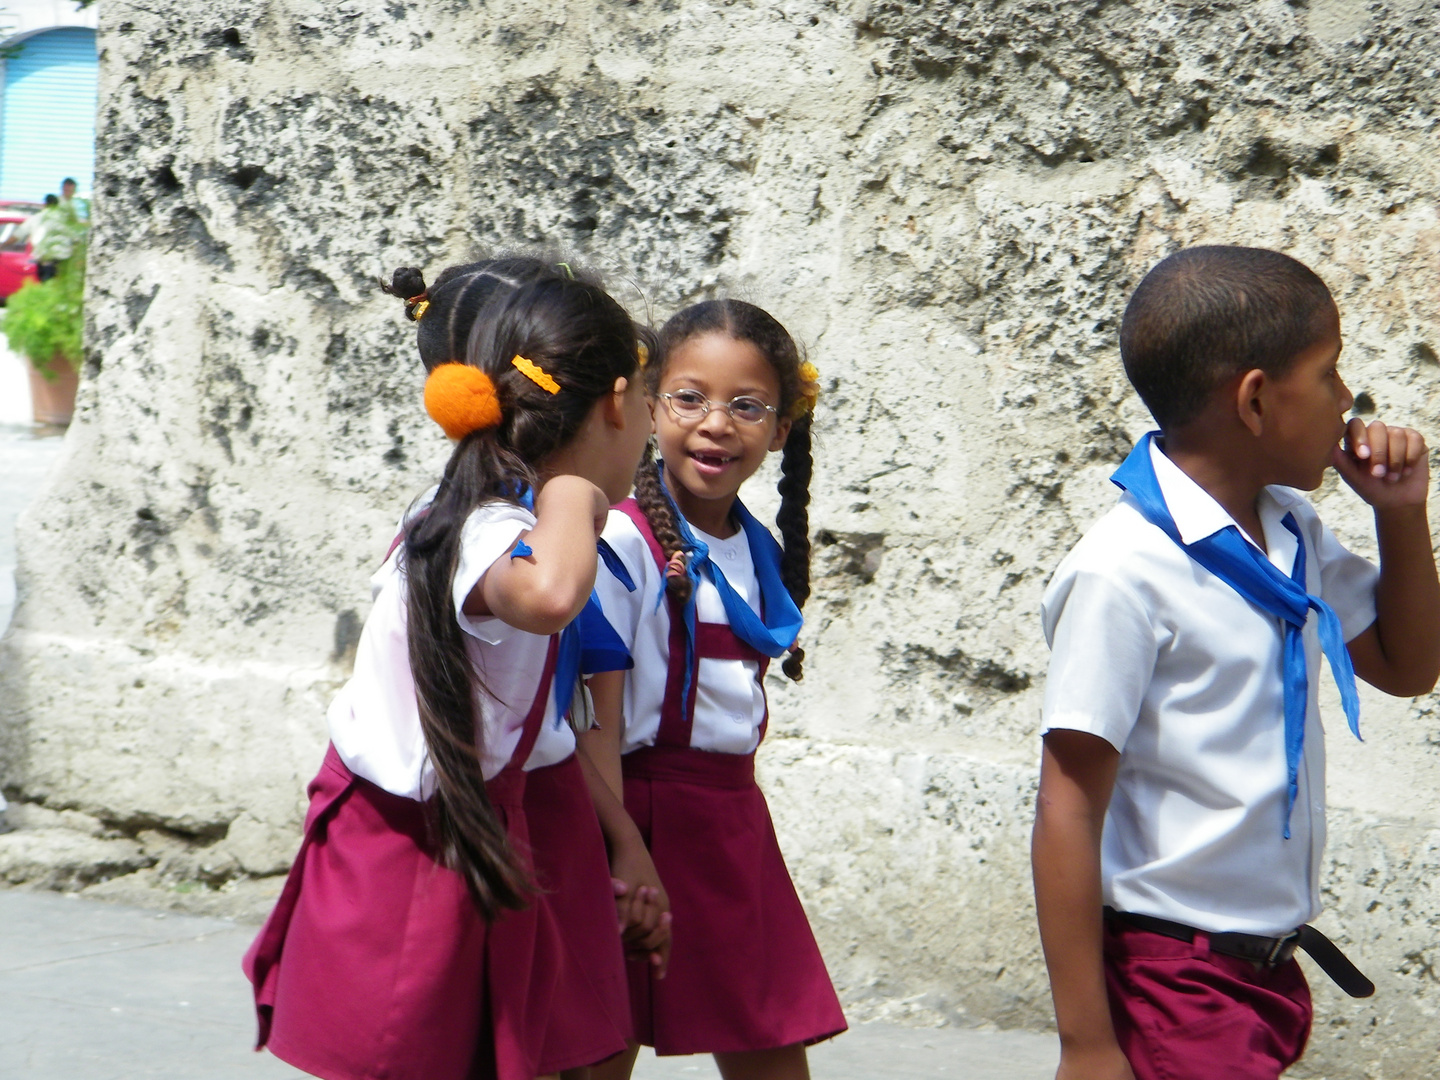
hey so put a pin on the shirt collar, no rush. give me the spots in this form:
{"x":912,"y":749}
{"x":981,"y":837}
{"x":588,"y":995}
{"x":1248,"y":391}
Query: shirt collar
{"x":1197,"y":514}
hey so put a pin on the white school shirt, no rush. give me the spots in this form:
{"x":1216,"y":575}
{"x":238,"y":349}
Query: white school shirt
{"x":729,"y":702}
{"x":374,"y":721}
{"x":1182,"y":675}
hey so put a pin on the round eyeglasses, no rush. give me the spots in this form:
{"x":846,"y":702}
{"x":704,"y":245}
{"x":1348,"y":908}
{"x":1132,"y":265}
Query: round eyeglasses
{"x":691,"y":406}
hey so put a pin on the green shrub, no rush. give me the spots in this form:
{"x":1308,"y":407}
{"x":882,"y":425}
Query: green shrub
{"x":44,"y":320}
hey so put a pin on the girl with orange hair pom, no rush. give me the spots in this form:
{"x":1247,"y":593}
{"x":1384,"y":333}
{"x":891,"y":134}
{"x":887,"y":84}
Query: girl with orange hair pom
{"x":451,"y":914}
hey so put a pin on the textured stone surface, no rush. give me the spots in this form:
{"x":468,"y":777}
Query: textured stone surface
{"x":948,"y":202}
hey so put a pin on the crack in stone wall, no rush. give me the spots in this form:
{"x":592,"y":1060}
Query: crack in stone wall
{"x":948,"y":202}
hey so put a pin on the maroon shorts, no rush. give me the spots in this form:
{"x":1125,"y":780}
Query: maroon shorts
{"x":1182,"y":1012}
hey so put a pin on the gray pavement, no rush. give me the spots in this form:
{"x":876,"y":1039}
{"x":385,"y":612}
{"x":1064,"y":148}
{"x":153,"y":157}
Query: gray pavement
{"x":97,"y":991}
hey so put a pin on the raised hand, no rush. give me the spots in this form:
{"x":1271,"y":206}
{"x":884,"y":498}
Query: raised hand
{"x":1388,"y":467}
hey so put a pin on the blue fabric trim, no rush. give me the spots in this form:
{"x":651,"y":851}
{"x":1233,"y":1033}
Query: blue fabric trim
{"x":1242,"y":566}
{"x":521,"y":549}
{"x":614,"y":564}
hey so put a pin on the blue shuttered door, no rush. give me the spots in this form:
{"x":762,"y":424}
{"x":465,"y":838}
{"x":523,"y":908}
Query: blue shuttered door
{"x":47,"y":124}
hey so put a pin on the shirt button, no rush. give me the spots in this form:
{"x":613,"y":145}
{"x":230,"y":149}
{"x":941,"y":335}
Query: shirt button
{"x":738,"y":718}
{"x":730,"y":555}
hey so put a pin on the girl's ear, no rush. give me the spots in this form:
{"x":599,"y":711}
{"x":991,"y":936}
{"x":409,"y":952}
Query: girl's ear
{"x":782,"y":432}
{"x":613,"y":404}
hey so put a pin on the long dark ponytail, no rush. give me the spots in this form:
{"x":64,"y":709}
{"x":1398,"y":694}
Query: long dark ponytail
{"x":743,"y":322}
{"x":569,"y":326}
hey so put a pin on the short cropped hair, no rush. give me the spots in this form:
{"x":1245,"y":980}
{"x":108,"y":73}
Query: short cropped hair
{"x":1206,"y":314}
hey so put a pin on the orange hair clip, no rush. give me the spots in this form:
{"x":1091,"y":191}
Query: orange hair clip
{"x":536,"y":374}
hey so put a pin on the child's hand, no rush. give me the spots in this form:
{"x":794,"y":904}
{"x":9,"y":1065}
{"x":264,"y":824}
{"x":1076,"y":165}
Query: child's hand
{"x":1103,"y":1063}
{"x":1389,"y":467}
{"x":642,"y":905}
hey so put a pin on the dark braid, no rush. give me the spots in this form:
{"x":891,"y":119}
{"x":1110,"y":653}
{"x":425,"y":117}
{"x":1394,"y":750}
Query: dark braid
{"x":660,"y":513}
{"x":793,"y":518}
{"x":745,"y":322}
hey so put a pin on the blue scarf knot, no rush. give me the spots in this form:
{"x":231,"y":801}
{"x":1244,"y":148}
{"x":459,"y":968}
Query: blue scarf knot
{"x":771,"y":634}
{"x":1242,"y":566}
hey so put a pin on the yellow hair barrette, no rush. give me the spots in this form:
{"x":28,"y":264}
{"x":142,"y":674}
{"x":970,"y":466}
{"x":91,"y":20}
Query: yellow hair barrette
{"x":536,"y":374}
{"x":809,"y":391}
{"x":418,"y":311}
{"x":642,"y":353}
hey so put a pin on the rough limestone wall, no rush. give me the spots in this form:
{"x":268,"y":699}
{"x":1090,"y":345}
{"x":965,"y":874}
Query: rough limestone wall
{"x":948,"y":202}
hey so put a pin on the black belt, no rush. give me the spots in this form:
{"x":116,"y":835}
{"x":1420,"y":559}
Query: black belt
{"x":1258,"y":949}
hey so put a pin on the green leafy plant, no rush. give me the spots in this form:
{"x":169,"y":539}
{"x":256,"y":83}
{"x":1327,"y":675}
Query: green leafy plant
{"x":44,"y":321}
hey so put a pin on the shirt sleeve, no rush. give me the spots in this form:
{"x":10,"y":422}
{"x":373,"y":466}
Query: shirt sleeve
{"x":1347,"y":582}
{"x":489,"y":533}
{"x":1103,"y":652}
{"x":622,"y":605}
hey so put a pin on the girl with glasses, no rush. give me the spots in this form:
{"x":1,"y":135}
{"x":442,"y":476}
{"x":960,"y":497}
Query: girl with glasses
{"x":705,"y":598}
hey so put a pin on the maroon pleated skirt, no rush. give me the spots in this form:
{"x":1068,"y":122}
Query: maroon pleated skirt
{"x":375,"y":963}
{"x":590,"y":1006}
{"x":745,"y":971}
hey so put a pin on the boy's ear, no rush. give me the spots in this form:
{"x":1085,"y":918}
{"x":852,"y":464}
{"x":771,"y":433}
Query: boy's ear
{"x":1250,"y":400}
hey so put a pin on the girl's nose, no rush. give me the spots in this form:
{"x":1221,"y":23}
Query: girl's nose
{"x":717,"y":419}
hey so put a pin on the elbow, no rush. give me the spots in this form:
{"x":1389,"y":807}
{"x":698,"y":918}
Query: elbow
{"x":550,"y":609}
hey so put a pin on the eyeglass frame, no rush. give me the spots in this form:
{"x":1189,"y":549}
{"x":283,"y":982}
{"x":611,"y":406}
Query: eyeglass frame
{"x":727,"y":406}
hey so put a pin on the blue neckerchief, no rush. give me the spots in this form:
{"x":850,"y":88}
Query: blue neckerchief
{"x":589,"y":643}
{"x":771,"y":634}
{"x":1242,"y":566}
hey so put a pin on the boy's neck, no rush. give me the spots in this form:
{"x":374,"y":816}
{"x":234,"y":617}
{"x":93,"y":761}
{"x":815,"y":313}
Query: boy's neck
{"x":1220,"y":466}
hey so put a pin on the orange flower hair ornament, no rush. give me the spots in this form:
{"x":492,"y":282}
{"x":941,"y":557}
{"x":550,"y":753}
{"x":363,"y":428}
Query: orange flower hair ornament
{"x":809,"y":391}
{"x":461,"y":399}
{"x":536,"y":374}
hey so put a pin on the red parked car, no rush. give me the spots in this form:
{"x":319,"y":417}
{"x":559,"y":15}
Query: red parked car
{"x":16,"y":266}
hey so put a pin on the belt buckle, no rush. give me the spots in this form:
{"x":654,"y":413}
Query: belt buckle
{"x":1283,"y":949}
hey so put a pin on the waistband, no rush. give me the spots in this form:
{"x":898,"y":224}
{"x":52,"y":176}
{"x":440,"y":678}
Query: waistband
{"x":689,"y":766}
{"x":1259,"y":949}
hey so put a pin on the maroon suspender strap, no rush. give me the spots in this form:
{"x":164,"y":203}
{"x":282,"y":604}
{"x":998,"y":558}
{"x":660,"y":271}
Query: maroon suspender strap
{"x":530,"y":730}
{"x":713,"y":641}
{"x":399,"y":539}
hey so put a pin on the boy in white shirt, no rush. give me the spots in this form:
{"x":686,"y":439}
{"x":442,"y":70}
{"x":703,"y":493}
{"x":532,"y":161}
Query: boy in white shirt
{"x":1180,"y":821}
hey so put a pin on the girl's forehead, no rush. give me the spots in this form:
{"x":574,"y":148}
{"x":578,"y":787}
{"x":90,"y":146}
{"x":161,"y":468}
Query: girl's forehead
{"x":716,"y":359}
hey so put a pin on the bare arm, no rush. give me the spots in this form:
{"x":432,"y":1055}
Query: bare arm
{"x":1077,"y":775}
{"x":542,"y":592}
{"x":1389,"y":468}
{"x":602,"y":742}
{"x":641,"y":903}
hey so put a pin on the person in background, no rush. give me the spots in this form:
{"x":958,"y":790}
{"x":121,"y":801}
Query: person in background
{"x":34,"y":228}
{"x":71,"y":203}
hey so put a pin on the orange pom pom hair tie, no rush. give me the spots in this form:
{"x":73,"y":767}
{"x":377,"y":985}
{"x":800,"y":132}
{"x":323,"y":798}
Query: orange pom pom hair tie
{"x":461,"y":399}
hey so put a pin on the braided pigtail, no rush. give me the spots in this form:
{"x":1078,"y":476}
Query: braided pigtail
{"x":793,"y":520}
{"x":660,"y":513}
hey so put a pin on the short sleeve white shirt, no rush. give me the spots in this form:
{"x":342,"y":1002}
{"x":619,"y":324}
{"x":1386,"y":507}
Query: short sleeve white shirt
{"x":374,"y":721}
{"x":1170,"y":665}
{"x":729,"y":700}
